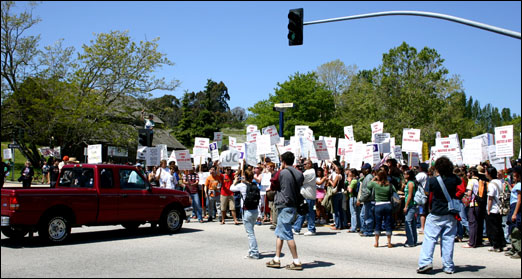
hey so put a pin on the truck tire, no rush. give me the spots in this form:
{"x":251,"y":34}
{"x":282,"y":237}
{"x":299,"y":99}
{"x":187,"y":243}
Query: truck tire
{"x":171,"y":221}
{"x":54,"y":229}
{"x":14,"y":233}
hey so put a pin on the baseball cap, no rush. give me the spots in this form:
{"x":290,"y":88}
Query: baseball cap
{"x":480,"y":169}
{"x":139,"y":165}
{"x":366,"y":166}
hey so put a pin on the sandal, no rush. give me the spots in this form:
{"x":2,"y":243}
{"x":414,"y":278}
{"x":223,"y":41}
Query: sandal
{"x":294,"y":266}
{"x":467,"y":246}
{"x":390,"y":245}
{"x":273,"y":264}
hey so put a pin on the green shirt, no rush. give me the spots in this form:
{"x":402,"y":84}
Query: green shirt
{"x":353,"y":186}
{"x":382,"y":192}
{"x":406,"y":193}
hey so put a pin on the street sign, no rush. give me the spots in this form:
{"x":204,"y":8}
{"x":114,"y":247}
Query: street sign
{"x":284,"y":105}
{"x":13,"y":145}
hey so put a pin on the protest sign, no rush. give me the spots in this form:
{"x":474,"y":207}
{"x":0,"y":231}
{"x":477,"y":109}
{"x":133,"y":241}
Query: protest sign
{"x":263,"y":145}
{"x":232,"y":142}
{"x":494,"y":160}
{"x":8,"y":154}
{"x":201,"y":147}
{"x":272,"y":132}
{"x":214,"y":152}
{"x":251,"y":128}
{"x":301,"y":131}
{"x":342,"y":146}
{"x":377,"y":127}
{"x":321,"y":150}
{"x":115,"y":151}
{"x":348,"y":133}
{"x":230,"y":158}
{"x":411,"y":140}
{"x":94,"y":153}
{"x":397,"y":152}
{"x":153,"y":156}
{"x":414,"y":159}
{"x":183,"y":159}
{"x":251,"y":154}
{"x":504,"y":141}
{"x":141,"y":153}
{"x":218,"y":137}
{"x":330,"y":144}
{"x":382,"y":137}
{"x":252,"y":137}
{"x":472,"y":152}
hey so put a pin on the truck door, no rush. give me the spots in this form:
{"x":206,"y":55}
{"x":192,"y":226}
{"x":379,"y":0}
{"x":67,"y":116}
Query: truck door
{"x":109,"y":196}
{"x":136,"y":202}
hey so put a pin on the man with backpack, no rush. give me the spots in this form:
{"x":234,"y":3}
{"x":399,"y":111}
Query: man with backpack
{"x":368,"y":200}
{"x":250,"y":197}
{"x":286,"y":200}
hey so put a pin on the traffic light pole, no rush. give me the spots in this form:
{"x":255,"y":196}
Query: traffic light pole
{"x":471,"y":23}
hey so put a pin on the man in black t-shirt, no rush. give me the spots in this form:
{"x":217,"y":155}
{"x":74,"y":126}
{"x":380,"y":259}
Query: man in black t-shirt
{"x":53,"y":174}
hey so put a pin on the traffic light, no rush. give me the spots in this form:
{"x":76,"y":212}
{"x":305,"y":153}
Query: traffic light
{"x":295,"y":27}
{"x":144,"y":137}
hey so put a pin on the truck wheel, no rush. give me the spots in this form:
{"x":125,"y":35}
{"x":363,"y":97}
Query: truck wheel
{"x":14,"y":233}
{"x":171,"y":221}
{"x":55,"y":229}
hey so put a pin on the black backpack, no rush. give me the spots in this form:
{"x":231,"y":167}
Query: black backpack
{"x":252,"y":197}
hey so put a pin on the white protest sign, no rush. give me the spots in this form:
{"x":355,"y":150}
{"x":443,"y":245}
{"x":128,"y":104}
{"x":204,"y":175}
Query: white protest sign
{"x":230,"y":158}
{"x":240,"y":147}
{"x":321,"y":150}
{"x":183,"y":159}
{"x":218,"y":137}
{"x":301,"y":131}
{"x":448,"y":147}
{"x":8,"y":154}
{"x":251,"y":154}
{"x":356,"y":160}
{"x":214,"y":152}
{"x":330,"y":144}
{"x":251,"y":128}
{"x":141,"y":153}
{"x":377,"y":127}
{"x":494,"y":160}
{"x":414,"y":160}
{"x":472,"y":152}
{"x":397,"y":152}
{"x":201,"y":147}
{"x":263,"y":145}
{"x":504,"y":141}
{"x":163,"y":151}
{"x":153,"y":156}
{"x":94,"y":153}
{"x":411,"y":140}
{"x":342,"y":146}
{"x":348,"y":132}
{"x":232,"y":142}
{"x":385,"y":147}
{"x":272,"y":132}
{"x":368,"y":154}
{"x":115,"y":151}
{"x":381,"y":137}
{"x":252,"y":137}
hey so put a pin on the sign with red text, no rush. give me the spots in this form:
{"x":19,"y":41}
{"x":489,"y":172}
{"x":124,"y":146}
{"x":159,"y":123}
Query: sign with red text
{"x":321,"y":150}
{"x":252,"y":137}
{"x":377,"y":127}
{"x":411,"y":140}
{"x":251,"y":128}
{"x":183,"y":159}
{"x":504,"y":141}
{"x":348,"y":133}
{"x":274,"y":135}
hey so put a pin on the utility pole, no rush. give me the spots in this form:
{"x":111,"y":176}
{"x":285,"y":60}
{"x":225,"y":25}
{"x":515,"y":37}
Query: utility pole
{"x":282,"y":107}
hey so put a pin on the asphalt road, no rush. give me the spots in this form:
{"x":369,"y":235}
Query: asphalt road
{"x":214,"y":250}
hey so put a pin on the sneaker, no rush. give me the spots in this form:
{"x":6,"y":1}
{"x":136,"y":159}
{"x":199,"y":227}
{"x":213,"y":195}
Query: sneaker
{"x":509,"y":253}
{"x":408,"y":245}
{"x":516,"y":256}
{"x":297,"y":233}
{"x":258,"y":223}
{"x":309,"y":233}
{"x":273,"y":264}
{"x":273,"y":227}
{"x":252,"y":257}
{"x":449,"y":271}
{"x":425,"y":269}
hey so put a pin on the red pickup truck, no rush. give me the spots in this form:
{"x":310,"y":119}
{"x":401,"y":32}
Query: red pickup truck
{"x":92,"y":195}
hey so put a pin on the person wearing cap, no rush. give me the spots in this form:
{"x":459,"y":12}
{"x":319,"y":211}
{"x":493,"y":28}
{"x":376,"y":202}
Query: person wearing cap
{"x":368,"y":208}
{"x":63,"y":162}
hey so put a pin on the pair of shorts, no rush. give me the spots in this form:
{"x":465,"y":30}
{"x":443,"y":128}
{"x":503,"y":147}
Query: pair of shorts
{"x":285,"y":219}
{"x":227,"y":202}
{"x":320,"y":193}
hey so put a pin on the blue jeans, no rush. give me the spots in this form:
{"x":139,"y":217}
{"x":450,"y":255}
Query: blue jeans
{"x":249,"y":221}
{"x":444,"y":227}
{"x":411,"y":226}
{"x":337,"y":201}
{"x":383,"y":218}
{"x":367,"y":218}
{"x":310,"y":217}
{"x":463,"y":225}
{"x":354,"y":211}
{"x":196,"y":206}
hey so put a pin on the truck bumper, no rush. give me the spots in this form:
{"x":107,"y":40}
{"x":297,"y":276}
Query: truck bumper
{"x":5,"y":221}
{"x":188,"y":212}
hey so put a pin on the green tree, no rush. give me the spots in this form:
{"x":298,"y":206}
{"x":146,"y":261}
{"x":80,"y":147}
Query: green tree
{"x":313,"y":106}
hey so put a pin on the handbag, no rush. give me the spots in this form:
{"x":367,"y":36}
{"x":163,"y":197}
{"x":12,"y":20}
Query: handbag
{"x":395,"y":200}
{"x":466,"y":200}
{"x":454,"y":205}
{"x":302,"y":207}
{"x":270,"y":195}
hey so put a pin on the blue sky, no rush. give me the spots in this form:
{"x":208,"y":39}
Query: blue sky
{"x":244,"y":44}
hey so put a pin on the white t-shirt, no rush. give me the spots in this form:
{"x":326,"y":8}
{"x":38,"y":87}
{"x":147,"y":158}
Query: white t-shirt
{"x":171,"y":181}
{"x":309,"y":185}
{"x":164,"y":175}
{"x":494,"y":191}
{"x":265,"y":182}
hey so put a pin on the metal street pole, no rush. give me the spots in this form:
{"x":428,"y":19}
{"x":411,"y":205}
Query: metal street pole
{"x":281,"y":121}
{"x":471,"y":23}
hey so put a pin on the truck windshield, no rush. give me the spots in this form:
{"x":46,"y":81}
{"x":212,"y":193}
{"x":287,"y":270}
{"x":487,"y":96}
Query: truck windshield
{"x":77,"y":177}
